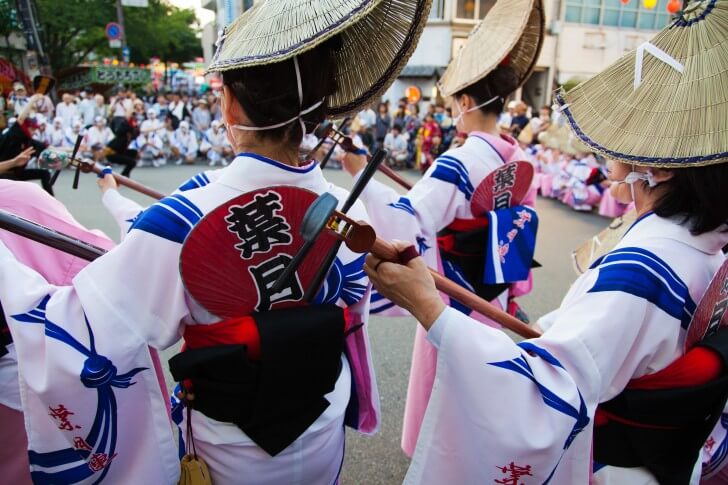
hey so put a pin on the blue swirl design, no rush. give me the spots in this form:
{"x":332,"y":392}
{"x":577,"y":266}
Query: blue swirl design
{"x":72,"y":464}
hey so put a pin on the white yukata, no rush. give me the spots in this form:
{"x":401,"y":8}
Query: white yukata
{"x":186,"y":143}
{"x":96,"y":137}
{"x":134,"y":297}
{"x":441,"y":196}
{"x":149,"y":141}
{"x":502,"y":412}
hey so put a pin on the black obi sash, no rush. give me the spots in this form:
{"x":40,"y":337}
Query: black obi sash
{"x":274,"y":399}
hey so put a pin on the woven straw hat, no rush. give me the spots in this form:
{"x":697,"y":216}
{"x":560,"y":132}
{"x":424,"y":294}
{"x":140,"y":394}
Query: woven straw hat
{"x":378,"y":37}
{"x":666,"y":104}
{"x":555,"y":137}
{"x":512,"y":31}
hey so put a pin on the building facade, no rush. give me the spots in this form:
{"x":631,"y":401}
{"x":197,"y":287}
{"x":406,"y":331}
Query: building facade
{"x":582,"y":38}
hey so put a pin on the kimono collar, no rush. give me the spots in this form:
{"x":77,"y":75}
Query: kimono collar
{"x":250,"y":171}
{"x":505,"y":146}
{"x":650,"y":225}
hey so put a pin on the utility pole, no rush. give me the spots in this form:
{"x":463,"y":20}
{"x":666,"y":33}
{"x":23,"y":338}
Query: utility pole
{"x":120,"y":20}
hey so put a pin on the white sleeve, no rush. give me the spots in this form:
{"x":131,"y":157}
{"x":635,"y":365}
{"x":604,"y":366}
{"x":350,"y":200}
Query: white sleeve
{"x":498,"y":403}
{"x":427,"y":208}
{"x":123,"y":210}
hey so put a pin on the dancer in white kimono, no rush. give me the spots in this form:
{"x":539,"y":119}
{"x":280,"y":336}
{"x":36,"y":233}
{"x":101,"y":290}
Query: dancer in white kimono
{"x":97,"y":137}
{"x":610,"y":377}
{"x":439,"y":205}
{"x":82,"y":348}
{"x":215,"y":145}
{"x":184,"y":144}
{"x":150,"y":143}
{"x":56,"y":134}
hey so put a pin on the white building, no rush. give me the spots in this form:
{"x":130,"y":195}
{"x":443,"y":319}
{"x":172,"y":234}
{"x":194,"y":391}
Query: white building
{"x":582,"y":38}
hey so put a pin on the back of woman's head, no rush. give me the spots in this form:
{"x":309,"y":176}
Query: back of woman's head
{"x":499,"y":83}
{"x":696,"y":195}
{"x":269,"y":93}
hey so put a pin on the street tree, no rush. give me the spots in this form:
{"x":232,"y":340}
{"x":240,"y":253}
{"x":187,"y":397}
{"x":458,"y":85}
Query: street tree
{"x":73,"y":29}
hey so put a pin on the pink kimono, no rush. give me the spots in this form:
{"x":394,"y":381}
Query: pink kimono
{"x":441,"y":196}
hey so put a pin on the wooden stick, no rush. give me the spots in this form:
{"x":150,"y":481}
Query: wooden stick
{"x":387,"y":252}
{"x":49,"y":237}
{"x":395,"y":176}
{"x":121,"y":180}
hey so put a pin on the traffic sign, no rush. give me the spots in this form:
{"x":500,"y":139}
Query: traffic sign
{"x":126,"y":53}
{"x":114,"y":43}
{"x":113,"y":31}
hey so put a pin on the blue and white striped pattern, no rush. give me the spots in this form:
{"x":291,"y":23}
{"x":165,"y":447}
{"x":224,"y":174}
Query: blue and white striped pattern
{"x":521,"y":366}
{"x":199,"y":180}
{"x":455,"y":273}
{"x":403,"y":204}
{"x":643,"y":274}
{"x":450,"y":169}
{"x":345,"y":281}
{"x":171,"y":218}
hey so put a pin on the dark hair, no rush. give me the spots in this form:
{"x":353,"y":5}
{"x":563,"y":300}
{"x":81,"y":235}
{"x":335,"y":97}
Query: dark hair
{"x":697,"y":195}
{"x":269,"y":93}
{"x":500,"y":82}
{"x":397,"y":127}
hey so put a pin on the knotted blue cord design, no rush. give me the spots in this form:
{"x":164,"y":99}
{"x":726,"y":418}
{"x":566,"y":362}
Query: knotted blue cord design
{"x":98,"y":373}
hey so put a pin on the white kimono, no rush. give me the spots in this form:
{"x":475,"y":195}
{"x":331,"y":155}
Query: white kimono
{"x":96,"y":137}
{"x":133,"y":297}
{"x":523,"y":413}
{"x":186,"y":143}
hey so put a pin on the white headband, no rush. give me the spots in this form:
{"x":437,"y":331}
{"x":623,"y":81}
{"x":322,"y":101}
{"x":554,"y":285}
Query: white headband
{"x":298,"y":117}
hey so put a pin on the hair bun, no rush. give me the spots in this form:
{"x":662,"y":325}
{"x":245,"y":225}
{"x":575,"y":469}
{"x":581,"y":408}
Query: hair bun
{"x":503,"y":81}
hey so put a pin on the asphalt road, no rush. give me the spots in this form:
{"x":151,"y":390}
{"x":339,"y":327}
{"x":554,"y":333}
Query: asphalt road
{"x":377,"y":459}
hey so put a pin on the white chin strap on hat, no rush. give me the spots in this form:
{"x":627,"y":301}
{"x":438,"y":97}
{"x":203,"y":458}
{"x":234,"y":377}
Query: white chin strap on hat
{"x":298,"y":117}
{"x":460,"y":114}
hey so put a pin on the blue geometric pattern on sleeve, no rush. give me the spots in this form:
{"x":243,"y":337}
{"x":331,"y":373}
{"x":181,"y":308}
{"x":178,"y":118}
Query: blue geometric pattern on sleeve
{"x":73,"y":465}
{"x":345,"y":281}
{"x":171,"y":218}
{"x":450,"y":169}
{"x":403,"y":204}
{"x":454,"y":272}
{"x":643,"y":274}
{"x":520,"y":366}
{"x":199,"y":180}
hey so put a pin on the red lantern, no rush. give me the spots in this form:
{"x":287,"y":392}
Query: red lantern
{"x":674,"y":6}
{"x":624,"y":2}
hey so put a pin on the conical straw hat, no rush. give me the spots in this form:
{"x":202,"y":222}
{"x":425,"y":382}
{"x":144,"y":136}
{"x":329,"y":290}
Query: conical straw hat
{"x":674,"y":113}
{"x":571,"y":145}
{"x":378,"y":37}
{"x":554,"y":137}
{"x":512,"y":31}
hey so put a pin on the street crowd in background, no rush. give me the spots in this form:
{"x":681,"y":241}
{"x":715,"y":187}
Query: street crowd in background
{"x":146,"y":128}
{"x":564,"y":168}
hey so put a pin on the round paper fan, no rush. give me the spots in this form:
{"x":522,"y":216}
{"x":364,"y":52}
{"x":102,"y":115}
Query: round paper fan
{"x":504,"y":187}
{"x":232,"y":257}
{"x":711,"y":312}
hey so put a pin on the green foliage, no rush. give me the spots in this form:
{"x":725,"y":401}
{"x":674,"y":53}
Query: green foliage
{"x":72,"y":29}
{"x":572,"y":83}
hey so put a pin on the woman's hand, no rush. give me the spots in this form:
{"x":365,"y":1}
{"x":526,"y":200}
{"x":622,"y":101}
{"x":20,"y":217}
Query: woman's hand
{"x":354,"y":163}
{"x":410,"y":286}
{"x":23,"y":157}
{"x":107,"y":182}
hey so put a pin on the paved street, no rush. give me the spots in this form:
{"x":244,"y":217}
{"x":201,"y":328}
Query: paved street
{"x":379,"y":459}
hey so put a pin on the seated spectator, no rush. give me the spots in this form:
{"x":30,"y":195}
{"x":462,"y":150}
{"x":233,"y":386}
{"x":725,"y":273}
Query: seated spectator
{"x":184,"y":144}
{"x":215,"y":145}
{"x":56,"y":135}
{"x":98,"y":137}
{"x":149,"y":143}
{"x":396,"y":144}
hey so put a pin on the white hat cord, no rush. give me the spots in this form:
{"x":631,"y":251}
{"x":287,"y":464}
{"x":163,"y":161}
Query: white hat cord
{"x":298,"y":117}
